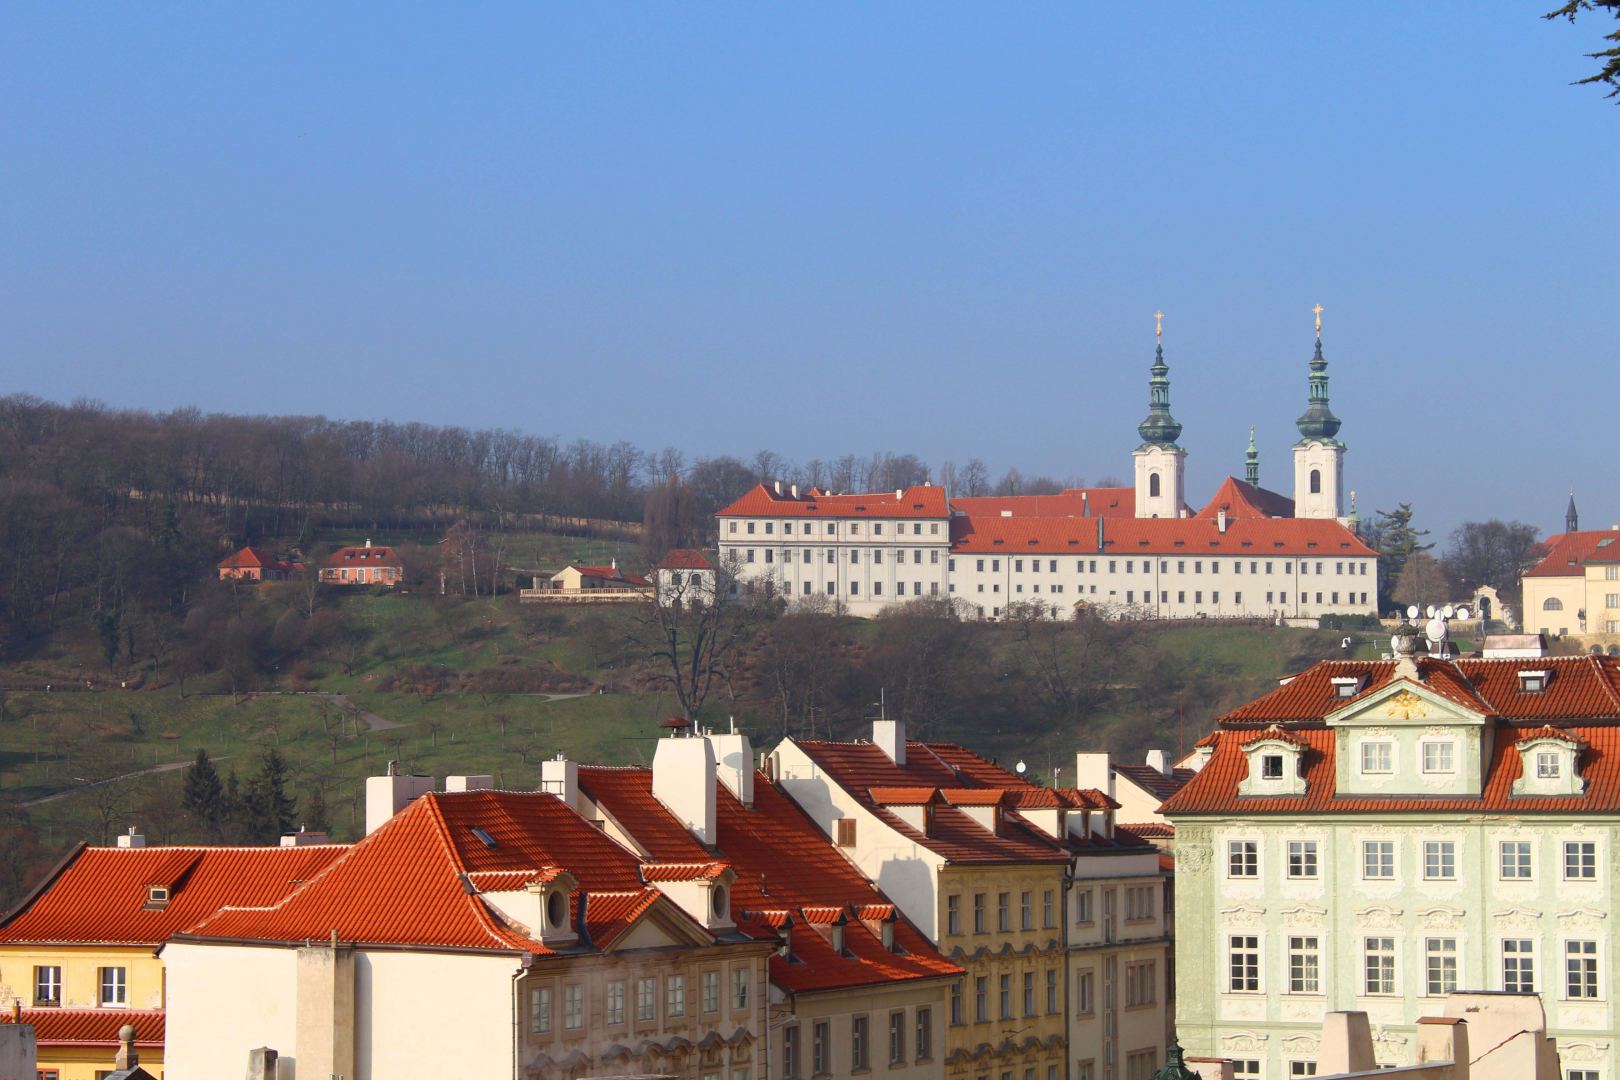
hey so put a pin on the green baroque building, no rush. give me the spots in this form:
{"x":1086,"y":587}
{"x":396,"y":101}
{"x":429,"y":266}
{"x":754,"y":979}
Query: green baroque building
{"x":1373,"y":835}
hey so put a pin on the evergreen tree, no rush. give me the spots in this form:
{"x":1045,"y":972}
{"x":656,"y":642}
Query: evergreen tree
{"x":203,"y":796}
{"x":1395,"y":540}
{"x":230,"y":805}
{"x":315,"y":816}
{"x":267,"y":810}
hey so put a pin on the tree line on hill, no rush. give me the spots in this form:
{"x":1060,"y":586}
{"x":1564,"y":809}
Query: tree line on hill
{"x":1492,"y":553}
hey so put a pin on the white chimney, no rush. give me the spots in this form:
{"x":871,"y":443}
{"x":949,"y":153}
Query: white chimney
{"x":304,"y":837}
{"x":1160,"y":761}
{"x":794,"y":489}
{"x":469,"y":783}
{"x":890,"y":737}
{"x":1094,"y":771}
{"x":1220,"y":519}
{"x":734,"y":763}
{"x":561,"y":777}
{"x":779,"y":487}
{"x":897,"y":493}
{"x":368,"y":541}
{"x":683,"y":780}
{"x":131,"y":839}
{"x":388,"y":795}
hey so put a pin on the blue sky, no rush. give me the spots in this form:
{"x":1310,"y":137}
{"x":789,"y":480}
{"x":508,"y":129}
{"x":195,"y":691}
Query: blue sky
{"x":922,"y":227}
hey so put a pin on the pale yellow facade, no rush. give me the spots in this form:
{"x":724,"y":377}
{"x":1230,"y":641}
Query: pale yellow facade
{"x":1585,"y":604}
{"x":893,"y":1031}
{"x":79,"y":981}
{"x":1003,"y":924}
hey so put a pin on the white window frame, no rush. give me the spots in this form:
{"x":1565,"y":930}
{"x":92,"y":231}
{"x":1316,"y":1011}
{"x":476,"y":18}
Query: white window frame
{"x":1243,"y":859}
{"x":1444,"y":752}
{"x":1379,"y":966}
{"x":1523,"y":953}
{"x":1303,"y":858}
{"x":1439,"y":860}
{"x":1380,"y":859}
{"x":1377,"y":757}
{"x":1441,"y":960}
{"x":1304,"y":964}
{"x":1581,"y":970}
{"x":1581,"y":856}
{"x":113,"y":989}
{"x":1243,"y":967}
{"x":1523,"y":860}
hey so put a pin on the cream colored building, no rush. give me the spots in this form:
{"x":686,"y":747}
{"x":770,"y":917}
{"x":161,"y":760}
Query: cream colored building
{"x":1575,"y":589}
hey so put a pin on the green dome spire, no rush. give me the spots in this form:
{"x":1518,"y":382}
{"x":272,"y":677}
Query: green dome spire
{"x":1318,"y":422}
{"x":1159,"y":428}
{"x":1251,"y":461}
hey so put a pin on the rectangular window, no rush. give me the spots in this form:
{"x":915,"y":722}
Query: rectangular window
{"x":1029,"y":993}
{"x":1141,"y":984}
{"x":1300,"y":1067}
{"x":646,"y":999}
{"x":953,"y":914}
{"x":711,"y":991}
{"x":1548,"y":765}
{"x":1242,"y":859}
{"x":897,"y":1038}
{"x":821,"y":1048}
{"x":978,"y":913}
{"x":1379,"y":964}
{"x":956,"y":1003}
{"x":48,"y":985}
{"x":1440,"y":966}
{"x":845,"y":832}
{"x":1515,"y":860}
{"x":790,"y":1052}
{"x":1051,"y":991}
{"x":1085,"y":1005}
{"x":1004,"y":912}
{"x":1082,"y":906}
{"x":1378,"y":859}
{"x":1437,"y":757}
{"x":573,"y":1007}
{"x":540,"y":1010}
{"x":1580,"y":969}
{"x":615,"y":1003}
{"x":675,"y":996}
{"x":1304,"y":965}
{"x":1244,"y":968}
{"x":1271,"y":766}
{"x":1048,"y":910}
{"x":981,"y":999}
{"x":924,"y":1050}
{"x":1302,"y":858}
{"x":859,"y":1043}
{"x":1026,"y":910}
{"x":1519,"y":965}
{"x":739,"y":988}
{"x":114,"y":986}
{"x":1004,"y":998}
{"x":1377,"y":757}
{"x":1439,"y":860}
{"x":1580,"y":860}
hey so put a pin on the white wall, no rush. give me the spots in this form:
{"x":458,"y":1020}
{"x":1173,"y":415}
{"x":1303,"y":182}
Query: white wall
{"x":224,"y":1001}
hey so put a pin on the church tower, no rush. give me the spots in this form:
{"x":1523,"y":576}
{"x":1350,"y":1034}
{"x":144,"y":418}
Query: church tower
{"x":1572,"y":520}
{"x":1318,"y":456}
{"x":1161,"y":465}
{"x":1251,"y":462}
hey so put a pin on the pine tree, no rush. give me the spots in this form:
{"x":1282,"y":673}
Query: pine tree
{"x":230,"y":804}
{"x":204,"y":797}
{"x":267,"y":810}
{"x":315,"y":817}
{"x":1395,"y":540}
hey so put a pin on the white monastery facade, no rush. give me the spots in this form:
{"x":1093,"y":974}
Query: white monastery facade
{"x":1127,"y":552}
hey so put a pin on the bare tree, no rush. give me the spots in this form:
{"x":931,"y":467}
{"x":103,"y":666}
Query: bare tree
{"x":695,"y":630}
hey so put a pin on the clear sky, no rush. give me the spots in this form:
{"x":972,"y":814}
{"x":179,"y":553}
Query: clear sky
{"x":921,"y":227}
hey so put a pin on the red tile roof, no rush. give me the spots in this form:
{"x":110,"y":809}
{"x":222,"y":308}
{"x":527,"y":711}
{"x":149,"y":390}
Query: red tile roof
{"x":1070,"y":503}
{"x":403,"y":884}
{"x":252,"y":556}
{"x":914,"y":502}
{"x":685,"y":559}
{"x":1185,"y":537}
{"x":786,"y":871}
{"x":364,"y":556}
{"x":1581,"y":703}
{"x":1153,"y":781}
{"x":99,"y":894}
{"x":1241,"y":499}
{"x":92,"y":1028}
{"x":1568,"y":553}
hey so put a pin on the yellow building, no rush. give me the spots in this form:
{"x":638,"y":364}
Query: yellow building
{"x":84,"y":942}
{"x":1575,"y":588}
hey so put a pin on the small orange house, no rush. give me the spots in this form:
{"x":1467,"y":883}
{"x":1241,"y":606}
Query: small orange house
{"x":365,"y":565}
{"x":257,"y":564}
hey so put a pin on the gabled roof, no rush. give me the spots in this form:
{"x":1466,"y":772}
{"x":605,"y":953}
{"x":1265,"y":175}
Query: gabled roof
{"x":364,"y":556}
{"x":415,"y":881}
{"x":98,"y":896}
{"x":1153,"y":781}
{"x":1568,"y":553}
{"x":1241,"y":499}
{"x":1080,"y":502}
{"x":918,"y":501}
{"x":787,"y":872}
{"x":684,"y":559}
{"x":606,"y":573}
{"x":1257,"y":537}
{"x":252,"y":556}
{"x":92,"y":1028}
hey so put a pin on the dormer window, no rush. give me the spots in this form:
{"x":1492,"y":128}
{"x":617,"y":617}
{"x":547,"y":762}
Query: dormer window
{"x":157,"y":897}
{"x":1274,"y":765}
{"x":1549,"y":765}
{"x":1271,"y":766}
{"x":838,"y":938}
{"x":1347,"y":686}
{"x":1533,"y":682}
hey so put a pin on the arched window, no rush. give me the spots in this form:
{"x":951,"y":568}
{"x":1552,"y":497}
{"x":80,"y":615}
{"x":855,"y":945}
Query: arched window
{"x":1552,"y":603}
{"x":1153,"y":486}
{"x":1316,"y":481}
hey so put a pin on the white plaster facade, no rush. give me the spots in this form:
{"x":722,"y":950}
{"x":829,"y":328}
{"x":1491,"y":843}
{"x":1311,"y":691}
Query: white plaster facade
{"x":1161,"y":481}
{"x":1319,"y":478}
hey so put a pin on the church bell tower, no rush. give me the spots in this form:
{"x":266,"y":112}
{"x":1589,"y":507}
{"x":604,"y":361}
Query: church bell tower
{"x":1161,"y":465}
{"x":1319,"y":455}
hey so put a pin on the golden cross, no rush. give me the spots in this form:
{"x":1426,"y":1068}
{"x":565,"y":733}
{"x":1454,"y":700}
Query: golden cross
{"x":1318,"y":310}
{"x":1158,"y":324}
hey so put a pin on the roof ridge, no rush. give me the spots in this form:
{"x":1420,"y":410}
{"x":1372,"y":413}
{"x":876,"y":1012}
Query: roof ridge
{"x":441,"y":829}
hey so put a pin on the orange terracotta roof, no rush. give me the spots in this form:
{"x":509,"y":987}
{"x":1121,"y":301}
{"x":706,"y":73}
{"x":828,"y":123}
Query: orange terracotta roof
{"x":1078,"y":502}
{"x":403,"y":884}
{"x":1184,"y":537}
{"x":973,"y":796}
{"x":1241,"y":499}
{"x":685,"y":559}
{"x":1568,"y":553}
{"x":99,"y":895}
{"x":914,"y":502}
{"x":903,"y":796}
{"x":683,"y":871}
{"x":92,"y":1028}
{"x":1153,"y":781}
{"x":1547,"y":731}
{"x":364,"y":556}
{"x":787,"y":872}
{"x":1159,"y":830}
{"x":252,"y":556}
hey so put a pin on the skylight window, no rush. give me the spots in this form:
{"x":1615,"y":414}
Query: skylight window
{"x":483,"y":837}
{"x":1533,"y":682}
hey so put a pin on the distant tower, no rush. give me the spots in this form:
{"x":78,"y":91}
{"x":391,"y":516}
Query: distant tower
{"x":1251,"y":461}
{"x":1572,"y":520}
{"x":1318,"y":456}
{"x":1160,"y":464}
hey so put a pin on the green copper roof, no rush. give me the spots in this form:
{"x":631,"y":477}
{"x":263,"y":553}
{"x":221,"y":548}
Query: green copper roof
{"x":1318,"y":421}
{"x":1174,"y":1067}
{"x":1159,"y":428}
{"x":1251,"y":462}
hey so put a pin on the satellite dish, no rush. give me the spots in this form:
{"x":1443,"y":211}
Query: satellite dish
{"x":1435,"y":631}
{"x":1448,"y":611}
{"x":1431,"y":612}
{"x":1020,"y":767}
{"x":1462,"y":613}
{"x":1412,"y":612}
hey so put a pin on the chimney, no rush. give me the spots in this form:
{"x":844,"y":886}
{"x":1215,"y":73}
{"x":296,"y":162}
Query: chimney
{"x":1220,"y":520}
{"x":1442,"y":1038}
{"x":469,"y":783}
{"x":779,"y":487}
{"x":1094,"y":771}
{"x":890,"y":737}
{"x":897,"y":493}
{"x":683,"y":780}
{"x":561,"y":777}
{"x":262,"y":1064}
{"x":1099,"y":532}
{"x":794,"y":490}
{"x":368,"y":541}
{"x":131,"y":839}
{"x":388,"y":795}
{"x":1159,"y":760}
{"x":1085,"y":504}
{"x":734,"y":763}
{"x":304,"y":837}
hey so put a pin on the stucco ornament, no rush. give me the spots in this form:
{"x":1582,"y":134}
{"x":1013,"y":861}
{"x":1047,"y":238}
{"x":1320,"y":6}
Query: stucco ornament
{"x":1581,"y":919}
{"x":1517,"y":919}
{"x":1584,"y":1051}
{"x":1192,"y":858}
{"x":1304,"y":917}
{"x":1379,"y":918}
{"x":1301,"y":1044}
{"x":1245,"y":1041}
{"x":1243,"y":916}
{"x":1441,"y":918}
{"x":1405,"y":706}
